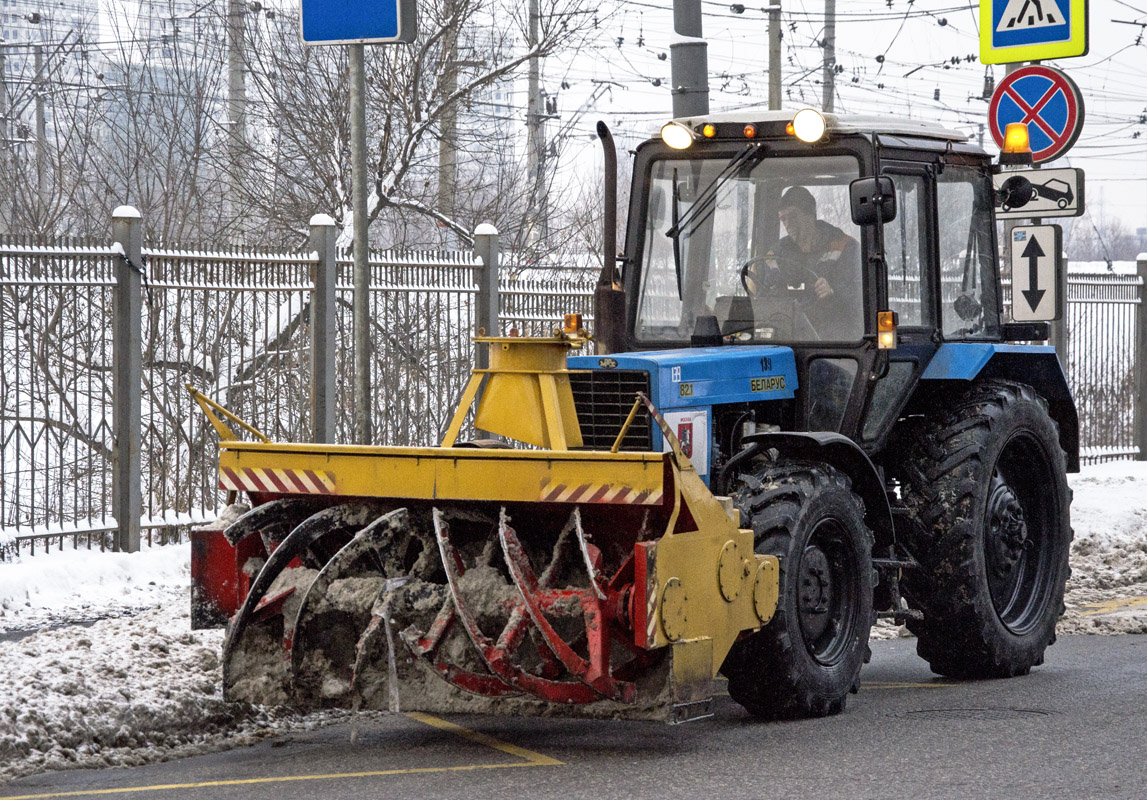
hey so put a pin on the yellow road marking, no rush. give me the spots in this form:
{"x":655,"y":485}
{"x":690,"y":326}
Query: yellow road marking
{"x":530,"y":759}
{"x":1108,"y":606}
{"x":533,"y":759}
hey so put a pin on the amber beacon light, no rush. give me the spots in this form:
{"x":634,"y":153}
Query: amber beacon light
{"x":1017,"y":146}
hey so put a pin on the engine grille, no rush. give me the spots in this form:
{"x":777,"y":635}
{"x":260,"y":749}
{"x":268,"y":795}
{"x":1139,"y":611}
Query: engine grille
{"x":603,"y":399}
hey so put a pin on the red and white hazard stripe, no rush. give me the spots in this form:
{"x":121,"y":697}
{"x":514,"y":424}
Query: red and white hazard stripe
{"x":554,"y":492}
{"x":277,"y":481}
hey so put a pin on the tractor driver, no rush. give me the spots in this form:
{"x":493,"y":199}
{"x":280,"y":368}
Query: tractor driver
{"x":818,"y":253}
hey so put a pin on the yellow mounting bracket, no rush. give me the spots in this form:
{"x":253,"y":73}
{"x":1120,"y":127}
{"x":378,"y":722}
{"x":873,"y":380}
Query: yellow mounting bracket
{"x":209,"y":407}
{"x":525,"y":392}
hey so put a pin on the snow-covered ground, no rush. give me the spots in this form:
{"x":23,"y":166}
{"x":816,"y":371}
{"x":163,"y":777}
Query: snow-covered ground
{"x":101,"y":667}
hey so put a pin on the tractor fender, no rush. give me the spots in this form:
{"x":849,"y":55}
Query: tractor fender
{"x":845,"y":455}
{"x":1037,"y":366}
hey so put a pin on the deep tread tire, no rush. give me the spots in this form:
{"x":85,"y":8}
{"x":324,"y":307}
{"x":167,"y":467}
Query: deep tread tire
{"x":981,"y":621}
{"x":805,"y":513}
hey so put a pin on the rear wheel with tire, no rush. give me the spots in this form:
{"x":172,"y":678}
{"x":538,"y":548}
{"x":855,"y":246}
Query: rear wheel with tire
{"x":808,"y":658}
{"x":985,"y":478}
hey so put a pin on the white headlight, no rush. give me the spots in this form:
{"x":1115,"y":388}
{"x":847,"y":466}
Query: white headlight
{"x":677,"y":136}
{"x":809,"y":125}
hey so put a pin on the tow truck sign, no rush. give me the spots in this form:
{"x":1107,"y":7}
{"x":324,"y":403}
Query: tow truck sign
{"x":1032,"y":30}
{"x":1054,"y":193}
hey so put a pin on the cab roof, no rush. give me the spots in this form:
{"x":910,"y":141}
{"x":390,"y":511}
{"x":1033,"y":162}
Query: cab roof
{"x":838,"y":123}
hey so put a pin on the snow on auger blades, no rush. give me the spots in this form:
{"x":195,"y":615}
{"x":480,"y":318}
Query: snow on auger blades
{"x":462,"y":578}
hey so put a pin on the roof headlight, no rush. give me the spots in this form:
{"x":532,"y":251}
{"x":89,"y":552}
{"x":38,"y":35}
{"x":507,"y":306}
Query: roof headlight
{"x":677,"y":136}
{"x":809,"y":125}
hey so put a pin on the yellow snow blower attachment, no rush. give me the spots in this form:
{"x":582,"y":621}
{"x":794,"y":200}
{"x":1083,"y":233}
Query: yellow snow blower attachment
{"x":472,"y":577}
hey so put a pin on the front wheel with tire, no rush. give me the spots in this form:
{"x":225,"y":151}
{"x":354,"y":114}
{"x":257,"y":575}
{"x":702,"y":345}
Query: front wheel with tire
{"x":985,"y":478}
{"x":808,"y":658}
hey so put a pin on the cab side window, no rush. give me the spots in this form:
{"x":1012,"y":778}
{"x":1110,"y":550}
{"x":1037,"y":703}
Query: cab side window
{"x":906,"y":251}
{"x":968,"y":304}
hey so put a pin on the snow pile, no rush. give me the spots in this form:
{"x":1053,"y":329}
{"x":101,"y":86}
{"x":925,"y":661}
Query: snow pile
{"x":1109,"y":554}
{"x":81,"y":585}
{"x":123,"y":692}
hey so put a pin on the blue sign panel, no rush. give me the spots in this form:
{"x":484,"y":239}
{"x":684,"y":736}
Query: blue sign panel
{"x":1020,"y":22}
{"x":1032,"y":30}
{"x":351,"y":21}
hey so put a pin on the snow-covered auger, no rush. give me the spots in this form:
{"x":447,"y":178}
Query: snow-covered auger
{"x":471,"y":577}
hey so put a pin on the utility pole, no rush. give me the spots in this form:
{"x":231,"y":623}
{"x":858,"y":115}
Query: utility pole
{"x":535,"y":125}
{"x":775,"y":56}
{"x":3,"y":102}
{"x":689,"y":64}
{"x":829,"y":54}
{"x":360,"y":306}
{"x":236,"y":112}
{"x":448,"y":134}
{"x":7,"y":204}
{"x":41,"y":128}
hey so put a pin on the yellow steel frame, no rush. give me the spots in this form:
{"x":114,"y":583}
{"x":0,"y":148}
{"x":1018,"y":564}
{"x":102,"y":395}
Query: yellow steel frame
{"x":457,"y":473}
{"x":703,"y":584}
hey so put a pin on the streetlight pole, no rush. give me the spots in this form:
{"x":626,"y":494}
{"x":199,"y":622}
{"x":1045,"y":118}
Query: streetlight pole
{"x":775,"y":55}
{"x":41,"y":128}
{"x":236,"y":111}
{"x":361,"y":278}
{"x":829,"y":72}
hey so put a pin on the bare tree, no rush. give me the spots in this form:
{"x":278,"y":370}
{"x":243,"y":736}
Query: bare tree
{"x":300,"y":130}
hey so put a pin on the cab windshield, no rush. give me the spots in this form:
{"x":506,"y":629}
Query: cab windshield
{"x":764,"y":244}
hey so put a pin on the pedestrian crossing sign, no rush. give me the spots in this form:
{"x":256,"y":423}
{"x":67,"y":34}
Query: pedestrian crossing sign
{"x":1032,"y":30}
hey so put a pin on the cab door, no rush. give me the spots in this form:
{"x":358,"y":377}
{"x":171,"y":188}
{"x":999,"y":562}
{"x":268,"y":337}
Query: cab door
{"x":912,"y":292}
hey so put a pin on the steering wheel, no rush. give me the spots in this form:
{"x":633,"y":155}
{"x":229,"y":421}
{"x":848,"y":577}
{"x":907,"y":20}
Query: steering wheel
{"x":776,"y":279}
{"x":770,"y":282}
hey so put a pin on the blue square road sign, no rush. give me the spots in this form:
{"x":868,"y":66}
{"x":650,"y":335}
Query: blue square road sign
{"x":357,"y":21}
{"x":1032,"y":30}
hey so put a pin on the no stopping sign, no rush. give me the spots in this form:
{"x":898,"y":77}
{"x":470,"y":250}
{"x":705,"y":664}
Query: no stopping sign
{"x":1045,"y":100}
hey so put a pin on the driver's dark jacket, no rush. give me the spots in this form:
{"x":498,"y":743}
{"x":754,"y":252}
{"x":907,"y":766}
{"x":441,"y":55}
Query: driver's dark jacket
{"x":834,"y":256}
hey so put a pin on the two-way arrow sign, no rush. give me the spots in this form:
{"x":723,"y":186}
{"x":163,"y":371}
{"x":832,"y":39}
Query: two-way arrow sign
{"x":1037,"y":271}
{"x":1033,"y":253}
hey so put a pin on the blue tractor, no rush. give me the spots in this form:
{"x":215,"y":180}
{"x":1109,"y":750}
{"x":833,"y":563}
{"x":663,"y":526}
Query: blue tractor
{"x":814,"y":303}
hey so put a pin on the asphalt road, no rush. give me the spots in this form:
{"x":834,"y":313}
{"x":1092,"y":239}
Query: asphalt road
{"x":1076,"y":727}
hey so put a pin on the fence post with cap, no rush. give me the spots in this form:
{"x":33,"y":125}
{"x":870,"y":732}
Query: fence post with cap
{"x":486,"y":302}
{"x":1140,"y":362}
{"x":127,"y":385}
{"x":324,"y":234}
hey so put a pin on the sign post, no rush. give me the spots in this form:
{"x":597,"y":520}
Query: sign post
{"x":355,"y":23}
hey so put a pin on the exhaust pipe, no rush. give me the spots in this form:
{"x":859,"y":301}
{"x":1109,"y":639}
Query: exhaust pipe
{"x":609,"y":296}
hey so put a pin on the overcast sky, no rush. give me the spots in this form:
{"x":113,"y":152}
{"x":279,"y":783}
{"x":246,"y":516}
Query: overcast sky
{"x":918,"y":42}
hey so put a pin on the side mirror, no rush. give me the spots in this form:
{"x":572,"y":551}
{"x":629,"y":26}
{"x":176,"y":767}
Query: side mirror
{"x":866,"y":194}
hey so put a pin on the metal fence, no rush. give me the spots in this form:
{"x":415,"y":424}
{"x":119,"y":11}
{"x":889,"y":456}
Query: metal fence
{"x":56,"y":437}
{"x":1104,"y":320}
{"x":237,"y":326}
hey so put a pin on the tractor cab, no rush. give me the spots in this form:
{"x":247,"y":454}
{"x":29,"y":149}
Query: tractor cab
{"x":755,"y":228}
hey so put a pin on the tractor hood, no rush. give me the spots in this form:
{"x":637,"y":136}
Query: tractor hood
{"x":706,"y":376}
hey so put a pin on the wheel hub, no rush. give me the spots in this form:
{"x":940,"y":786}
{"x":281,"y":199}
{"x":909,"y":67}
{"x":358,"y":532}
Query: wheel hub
{"x":1007,"y":529}
{"x":815,"y":593}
